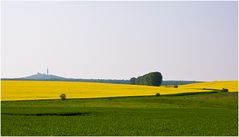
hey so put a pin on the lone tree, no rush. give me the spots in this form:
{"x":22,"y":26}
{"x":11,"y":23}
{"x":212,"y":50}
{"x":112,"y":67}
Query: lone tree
{"x":63,"y":96}
{"x":150,"y":79}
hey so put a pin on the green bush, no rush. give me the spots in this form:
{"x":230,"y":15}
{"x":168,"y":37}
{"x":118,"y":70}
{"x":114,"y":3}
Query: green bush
{"x":225,"y":90}
{"x":63,"y":96}
{"x":157,"y":94}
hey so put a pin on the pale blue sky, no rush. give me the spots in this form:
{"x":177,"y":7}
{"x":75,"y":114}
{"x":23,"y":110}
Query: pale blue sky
{"x":119,"y":40}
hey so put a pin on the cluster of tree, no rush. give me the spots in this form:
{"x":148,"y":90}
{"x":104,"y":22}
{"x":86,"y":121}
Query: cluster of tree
{"x":150,"y":79}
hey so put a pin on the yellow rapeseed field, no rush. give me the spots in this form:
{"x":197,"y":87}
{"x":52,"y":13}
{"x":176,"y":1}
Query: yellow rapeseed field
{"x":231,"y":85}
{"x":34,"y":90}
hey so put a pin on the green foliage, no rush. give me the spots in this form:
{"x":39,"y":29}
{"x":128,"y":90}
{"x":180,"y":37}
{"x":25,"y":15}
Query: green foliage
{"x":157,"y":94}
{"x":150,"y":79}
{"x":139,"y":80}
{"x":133,"y":80}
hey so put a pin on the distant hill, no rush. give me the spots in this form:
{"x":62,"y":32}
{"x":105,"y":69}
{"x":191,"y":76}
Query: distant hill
{"x":50,"y":77}
{"x":41,"y":76}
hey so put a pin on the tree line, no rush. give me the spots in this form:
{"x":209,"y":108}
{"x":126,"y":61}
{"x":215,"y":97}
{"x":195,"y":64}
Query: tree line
{"x":150,"y":79}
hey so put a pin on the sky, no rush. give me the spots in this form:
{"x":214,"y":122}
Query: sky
{"x":119,"y":40}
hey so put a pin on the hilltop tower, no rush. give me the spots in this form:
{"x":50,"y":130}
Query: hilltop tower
{"x":47,"y":71}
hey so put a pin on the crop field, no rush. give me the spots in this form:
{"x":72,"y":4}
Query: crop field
{"x":199,"y":114}
{"x":34,"y":108}
{"x":35,"y":90}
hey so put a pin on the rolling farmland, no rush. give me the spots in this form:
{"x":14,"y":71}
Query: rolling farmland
{"x":201,"y":114}
{"x":34,"y":108}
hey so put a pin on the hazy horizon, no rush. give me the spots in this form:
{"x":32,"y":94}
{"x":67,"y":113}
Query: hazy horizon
{"x":119,"y":40}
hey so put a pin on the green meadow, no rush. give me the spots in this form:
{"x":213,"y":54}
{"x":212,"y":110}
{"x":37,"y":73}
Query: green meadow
{"x":197,"y":114}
